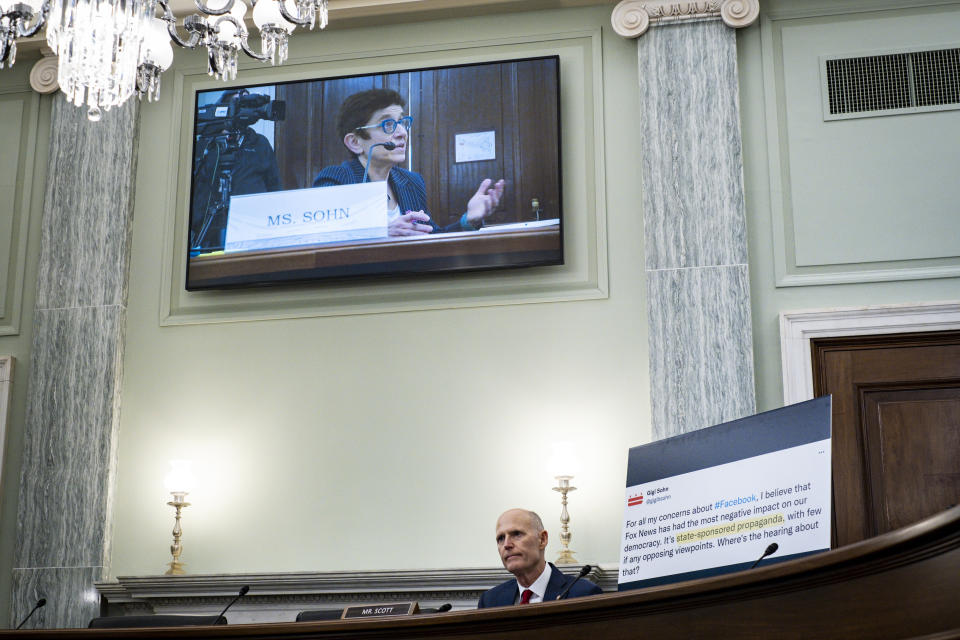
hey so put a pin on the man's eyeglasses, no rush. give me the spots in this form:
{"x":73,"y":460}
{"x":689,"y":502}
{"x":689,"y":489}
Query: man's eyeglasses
{"x":390,"y":125}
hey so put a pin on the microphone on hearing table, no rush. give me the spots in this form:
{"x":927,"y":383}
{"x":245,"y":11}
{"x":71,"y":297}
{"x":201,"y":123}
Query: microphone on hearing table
{"x":243,"y":591}
{"x":389,"y":146}
{"x":41,"y":602}
{"x":769,"y":552}
{"x":586,"y":569}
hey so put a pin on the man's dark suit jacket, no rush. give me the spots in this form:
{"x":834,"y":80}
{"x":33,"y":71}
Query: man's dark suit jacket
{"x":504,"y":595}
{"x":408,"y":186}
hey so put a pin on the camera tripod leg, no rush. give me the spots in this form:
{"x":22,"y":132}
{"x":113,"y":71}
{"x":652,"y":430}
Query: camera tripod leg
{"x":226,"y":185}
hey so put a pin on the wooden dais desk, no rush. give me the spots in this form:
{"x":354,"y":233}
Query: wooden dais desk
{"x":903,"y":584}
{"x":459,"y":250}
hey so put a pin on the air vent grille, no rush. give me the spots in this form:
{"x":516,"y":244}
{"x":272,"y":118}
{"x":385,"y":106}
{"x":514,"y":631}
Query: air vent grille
{"x":895,"y":82}
{"x":936,"y":75}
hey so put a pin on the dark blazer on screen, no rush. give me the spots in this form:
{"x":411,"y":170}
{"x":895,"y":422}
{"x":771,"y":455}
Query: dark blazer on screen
{"x":408,"y":186}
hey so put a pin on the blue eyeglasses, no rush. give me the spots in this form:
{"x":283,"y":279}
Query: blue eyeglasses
{"x":390,"y":125}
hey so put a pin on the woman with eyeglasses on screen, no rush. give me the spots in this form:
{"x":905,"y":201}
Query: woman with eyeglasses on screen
{"x":374,"y":129}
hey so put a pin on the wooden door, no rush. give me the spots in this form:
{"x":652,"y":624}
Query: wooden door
{"x":896,"y":428}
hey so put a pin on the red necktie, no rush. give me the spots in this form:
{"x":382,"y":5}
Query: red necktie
{"x":525,"y":596}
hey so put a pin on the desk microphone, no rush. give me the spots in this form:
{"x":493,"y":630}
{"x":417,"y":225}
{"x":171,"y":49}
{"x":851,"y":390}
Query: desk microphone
{"x":768,"y":552}
{"x":41,"y":602}
{"x":243,"y":591}
{"x":389,"y":146}
{"x":586,"y":569}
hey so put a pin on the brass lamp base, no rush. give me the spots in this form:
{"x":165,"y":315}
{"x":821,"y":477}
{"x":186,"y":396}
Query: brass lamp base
{"x":178,"y":503}
{"x":566,"y":557}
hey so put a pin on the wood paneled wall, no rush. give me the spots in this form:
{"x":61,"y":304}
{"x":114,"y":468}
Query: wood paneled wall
{"x":517,"y":100}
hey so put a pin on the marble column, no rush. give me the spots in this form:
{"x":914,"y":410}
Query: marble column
{"x":70,"y":431}
{"x":698,"y":304}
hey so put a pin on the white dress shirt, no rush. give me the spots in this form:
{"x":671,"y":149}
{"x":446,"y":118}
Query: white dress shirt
{"x":539,"y":586}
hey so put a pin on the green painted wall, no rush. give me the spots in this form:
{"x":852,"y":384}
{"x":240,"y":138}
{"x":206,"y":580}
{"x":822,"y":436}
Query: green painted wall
{"x":385,"y":440}
{"x":19,"y":255}
{"x":769,"y":69}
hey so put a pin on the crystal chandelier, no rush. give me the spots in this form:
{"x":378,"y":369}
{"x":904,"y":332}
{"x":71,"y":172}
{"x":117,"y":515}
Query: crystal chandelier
{"x":110,"y":49}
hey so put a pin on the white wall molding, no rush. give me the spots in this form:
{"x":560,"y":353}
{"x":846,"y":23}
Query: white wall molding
{"x":797,"y":259}
{"x":797,"y":328}
{"x":6,"y":383}
{"x":632,"y":18}
{"x":19,"y":128}
{"x":789,"y":9}
{"x":44,"y":76}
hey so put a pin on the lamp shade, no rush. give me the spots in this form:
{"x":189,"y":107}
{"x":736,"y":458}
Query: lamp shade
{"x":267,"y":13}
{"x":156,"y":48}
{"x":564,"y":460}
{"x":227,"y":33}
{"x":180,"y":478}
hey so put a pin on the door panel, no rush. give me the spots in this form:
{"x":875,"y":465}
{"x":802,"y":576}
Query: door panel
{"x":912,"y":442}
{"x":896,"y":432}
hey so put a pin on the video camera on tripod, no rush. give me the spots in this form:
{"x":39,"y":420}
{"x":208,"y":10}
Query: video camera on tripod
{"x":221,"y":130}
{"x":242,"y":110}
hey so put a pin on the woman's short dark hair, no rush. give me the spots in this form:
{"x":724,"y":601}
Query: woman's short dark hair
{"x":357,"y":109}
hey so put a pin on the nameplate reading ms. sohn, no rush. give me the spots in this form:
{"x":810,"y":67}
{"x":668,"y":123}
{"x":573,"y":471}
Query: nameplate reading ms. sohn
{"x":301,"y":217}
{"x":381,"y":610}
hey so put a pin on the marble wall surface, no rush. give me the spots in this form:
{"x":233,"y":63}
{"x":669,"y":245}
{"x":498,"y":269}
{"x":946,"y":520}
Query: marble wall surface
{"x":701,"y":355}
{"x":63,"y":523}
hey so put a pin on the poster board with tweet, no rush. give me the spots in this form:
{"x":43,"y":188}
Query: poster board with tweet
{"x":716,"y":500}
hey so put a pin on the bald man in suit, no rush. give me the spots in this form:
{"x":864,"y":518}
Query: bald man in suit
{"x":522,"y":542}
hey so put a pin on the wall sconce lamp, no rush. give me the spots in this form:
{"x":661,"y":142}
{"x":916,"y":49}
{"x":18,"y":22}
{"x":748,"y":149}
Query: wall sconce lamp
{"x":563,"y":465}
{"x":179,"y":482}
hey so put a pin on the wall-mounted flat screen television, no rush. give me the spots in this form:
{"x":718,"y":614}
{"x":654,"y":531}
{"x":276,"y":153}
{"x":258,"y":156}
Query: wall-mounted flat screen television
{"x":401,"y":173}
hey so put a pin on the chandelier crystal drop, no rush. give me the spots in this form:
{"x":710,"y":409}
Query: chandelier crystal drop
{"x":222,"y":60}
{"x":274,"y":44}
{"x":98,"y":45}
{"x":224,"y":37}
{"x":15,"y":22}
{"x":9,"y":44}
{"x":312,"y":9}
{"x":156,"y":56}
{"x":274,"y":29}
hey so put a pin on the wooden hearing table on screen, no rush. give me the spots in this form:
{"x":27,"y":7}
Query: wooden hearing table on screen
{"x":465,"y":249}
{"x":903,"y":584}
